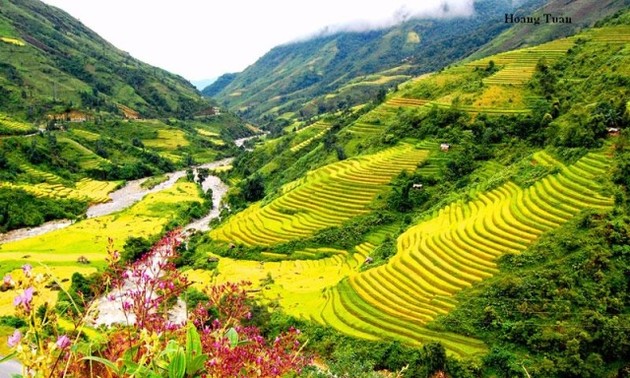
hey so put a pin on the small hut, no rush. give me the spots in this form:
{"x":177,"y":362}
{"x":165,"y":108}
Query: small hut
{"x":613,"y":131}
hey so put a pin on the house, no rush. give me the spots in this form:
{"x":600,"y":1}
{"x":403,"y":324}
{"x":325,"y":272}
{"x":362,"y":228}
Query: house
{"x":444,"y":147}
{"x":613,"y":131}
{"x":417,"y":186}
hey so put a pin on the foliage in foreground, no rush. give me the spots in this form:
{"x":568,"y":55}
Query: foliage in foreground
{"x":212,"y":341}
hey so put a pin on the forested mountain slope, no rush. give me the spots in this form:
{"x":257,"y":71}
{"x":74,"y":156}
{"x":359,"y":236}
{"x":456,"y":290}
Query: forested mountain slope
{"x":50,"y":61}
{"x":292,"y":75}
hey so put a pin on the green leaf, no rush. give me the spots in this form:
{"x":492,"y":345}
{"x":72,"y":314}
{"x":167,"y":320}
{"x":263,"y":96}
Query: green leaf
{"x":177,"y":368}
{"x":110,"y":365}
{"x":195,"y":365}
{"x":232,"y":336}
{"x":193,"y":342}
{"x":171,"y":348}
{"x":8,"y":357}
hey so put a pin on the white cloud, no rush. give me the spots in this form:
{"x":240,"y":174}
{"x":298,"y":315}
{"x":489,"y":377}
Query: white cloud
{"x":201,"y":39}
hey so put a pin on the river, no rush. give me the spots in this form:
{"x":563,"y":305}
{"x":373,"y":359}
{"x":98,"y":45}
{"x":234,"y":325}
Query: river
{"x":131,"y":193}
{"x":122,"y":198}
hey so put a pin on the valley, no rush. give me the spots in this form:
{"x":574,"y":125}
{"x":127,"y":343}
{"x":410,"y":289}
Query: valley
{"x":441,"y":216}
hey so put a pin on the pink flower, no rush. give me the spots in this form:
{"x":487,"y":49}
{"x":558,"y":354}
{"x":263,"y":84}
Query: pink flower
{"x":27,"y":269}
{"x":8,"y":279}
{"x":63,"y":342}
{"x":15,"y":338}
{"x":24,"y":299}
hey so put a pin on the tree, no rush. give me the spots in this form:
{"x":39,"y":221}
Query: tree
{"x":380,"y":96}
{"x":544,"y":78}
{"x":190,"y":175}
{"x":435,"y":357}
{"x":134,"y":248}
{"x":254,"y":188}
{"x":202,"y":174}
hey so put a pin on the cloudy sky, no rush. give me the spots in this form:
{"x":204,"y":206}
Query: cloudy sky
{"x":204,"y":39}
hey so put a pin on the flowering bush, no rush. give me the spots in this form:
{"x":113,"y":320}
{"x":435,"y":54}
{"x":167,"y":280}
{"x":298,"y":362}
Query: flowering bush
{"x":41,"y":347}
{"x":147,"y":331}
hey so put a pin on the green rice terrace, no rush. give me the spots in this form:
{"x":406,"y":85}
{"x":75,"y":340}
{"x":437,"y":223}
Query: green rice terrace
{"x":325,"y":197}
{"x":456,"y":248}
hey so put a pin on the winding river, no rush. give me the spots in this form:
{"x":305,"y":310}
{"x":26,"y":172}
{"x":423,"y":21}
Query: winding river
{"x":123,"y":198}
{"x":131,"y":193}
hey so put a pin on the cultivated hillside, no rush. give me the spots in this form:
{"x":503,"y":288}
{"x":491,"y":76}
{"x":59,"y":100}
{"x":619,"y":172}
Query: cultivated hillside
{"x":78,"y":116}
{"x":445,"y":212}
{"x":583,"y":13}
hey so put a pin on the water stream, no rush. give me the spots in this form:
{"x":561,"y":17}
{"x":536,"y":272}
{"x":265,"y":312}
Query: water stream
{"x":132,"y":192}
{"x":123,"y":198}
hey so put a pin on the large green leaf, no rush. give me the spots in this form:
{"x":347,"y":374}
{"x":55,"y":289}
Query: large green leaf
{"x":232,"y":336}
{"x":195,"y":365}
{"x":177,"y":368}
{"x":193,"y":342}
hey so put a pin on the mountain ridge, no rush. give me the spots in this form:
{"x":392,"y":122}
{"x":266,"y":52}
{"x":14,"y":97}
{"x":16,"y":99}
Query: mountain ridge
{"x":59,"y":62}
{"x":289,"y":76}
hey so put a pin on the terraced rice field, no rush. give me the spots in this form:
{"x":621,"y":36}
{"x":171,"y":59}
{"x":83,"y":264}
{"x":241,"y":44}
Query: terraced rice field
{"x":85,"y":157}
{"x":168,"y":139}
{"x":452,"y":251}
{"x":296,"y":284}
{"x":517,"y":67}
{"x":619,"y":34}
{"x":12,"y":41}
{"x":9,"y":125}
{"x":544,"y":159}
{"x":85,"y":134}
{"x":319,"y":128}
{"x":93,"y":191}
{"x":46,"y":295}
{"x":326,"y":197}
{"x":89,"y":237}
{"x":59,"y":250}
{"x":363,"y":129}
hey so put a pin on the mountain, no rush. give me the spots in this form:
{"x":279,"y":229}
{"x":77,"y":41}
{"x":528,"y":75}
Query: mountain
{"x":219,"y":84}
{"x":50,"y":62}
{"x":583,"y":13}
{"x":201,"y":84}
{"x":339,"y":65}
{"x":484,"y":207}
{"x":77,"y":114}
